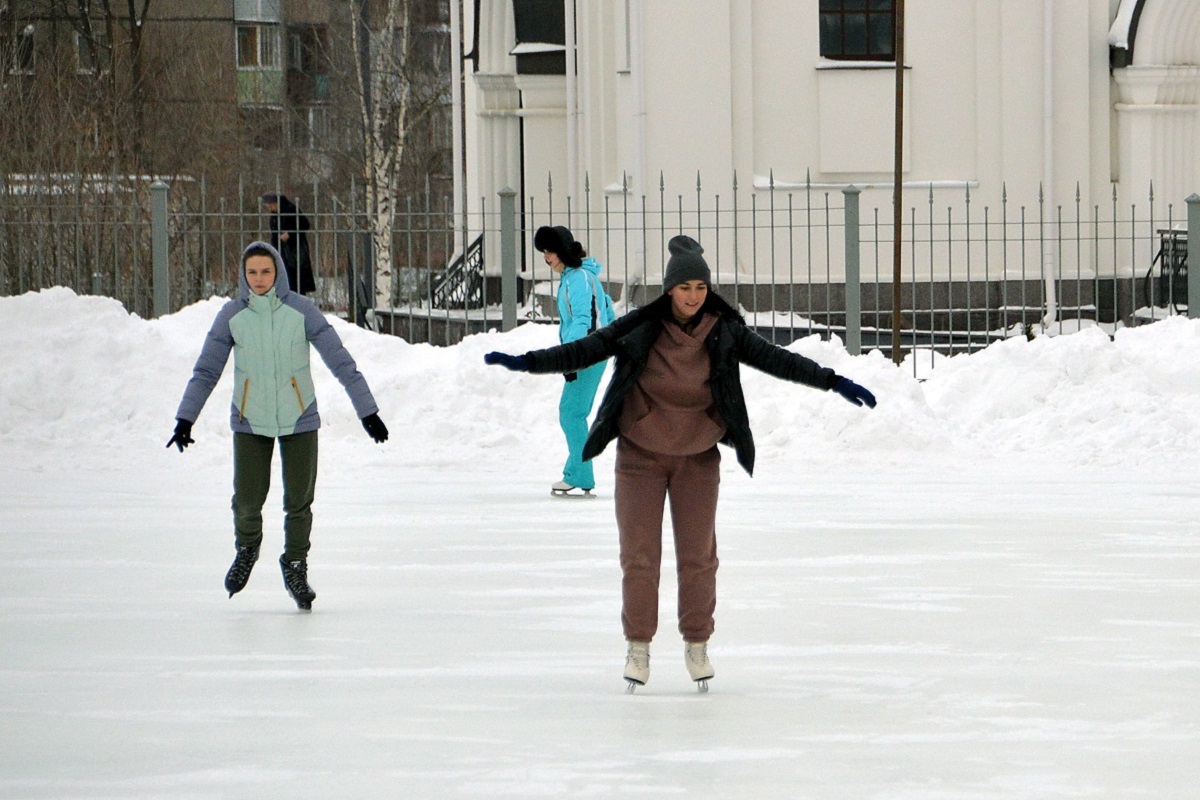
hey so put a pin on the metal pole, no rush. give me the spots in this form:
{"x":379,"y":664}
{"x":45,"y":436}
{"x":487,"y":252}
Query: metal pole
{"x":897,"y":208}
{"x":1193,"y":290}
{"x":158,"y":239}
{"x":508,"y":258}
{"x":853,"y":273}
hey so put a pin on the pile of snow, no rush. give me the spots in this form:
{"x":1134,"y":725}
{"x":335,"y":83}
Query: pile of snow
{"x":82,"y":367}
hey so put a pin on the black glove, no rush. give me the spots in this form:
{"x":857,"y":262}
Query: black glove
{"x":375,"y":428}
{"x":570,"y":376}
{"x":183,"y":435}
{"x":515,"y":363}
{"x":854,"y":393}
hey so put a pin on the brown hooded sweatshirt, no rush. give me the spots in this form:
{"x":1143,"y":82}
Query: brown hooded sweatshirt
{"x":670,"y":410}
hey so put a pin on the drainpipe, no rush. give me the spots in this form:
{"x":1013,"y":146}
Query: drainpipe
{"x":1049,"y":264}
{"x":456,"y":124}
{"x":637,"y":70}
{"x":572,"y":101}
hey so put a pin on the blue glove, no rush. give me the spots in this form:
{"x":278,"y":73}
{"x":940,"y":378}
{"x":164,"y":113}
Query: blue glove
{"x":854,"y":393}
{"x":515,"y":363}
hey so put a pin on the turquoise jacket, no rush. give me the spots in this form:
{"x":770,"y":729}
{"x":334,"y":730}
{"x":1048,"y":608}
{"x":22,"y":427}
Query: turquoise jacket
{"x":583,"y":306}
{"x":269,"y":336}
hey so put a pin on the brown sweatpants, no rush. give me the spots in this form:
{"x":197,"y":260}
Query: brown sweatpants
{"x":643,"y":482}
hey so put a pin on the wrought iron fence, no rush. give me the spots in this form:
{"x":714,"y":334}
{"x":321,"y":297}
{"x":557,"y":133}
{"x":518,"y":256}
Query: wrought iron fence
{"x":975,"y":268}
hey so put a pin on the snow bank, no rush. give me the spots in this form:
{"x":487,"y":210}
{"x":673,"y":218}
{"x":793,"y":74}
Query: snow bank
{"x":82,"y":367}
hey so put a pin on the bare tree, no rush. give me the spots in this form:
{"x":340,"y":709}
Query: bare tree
{"x":383,"y":90}
{"x":115,"y":43}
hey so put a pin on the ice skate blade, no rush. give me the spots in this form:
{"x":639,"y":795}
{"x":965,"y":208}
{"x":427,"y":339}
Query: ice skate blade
{"x":573,"y":494}
{"x":631,"y":685}
{"x":702,"y":686}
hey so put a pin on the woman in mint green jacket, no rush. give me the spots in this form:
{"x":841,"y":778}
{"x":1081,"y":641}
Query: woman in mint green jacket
{"x":269,"y":329}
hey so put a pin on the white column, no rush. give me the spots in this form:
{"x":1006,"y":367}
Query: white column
{"x":1158,"y":118}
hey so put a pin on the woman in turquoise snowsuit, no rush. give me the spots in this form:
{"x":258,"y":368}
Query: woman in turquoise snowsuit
{"x":583,"y":307}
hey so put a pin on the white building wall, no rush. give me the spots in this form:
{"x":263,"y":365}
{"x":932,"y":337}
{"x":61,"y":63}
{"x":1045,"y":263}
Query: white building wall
{"x":714,"y":88}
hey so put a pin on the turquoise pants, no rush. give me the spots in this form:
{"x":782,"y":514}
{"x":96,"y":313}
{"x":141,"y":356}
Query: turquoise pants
{"x":573,"y":409}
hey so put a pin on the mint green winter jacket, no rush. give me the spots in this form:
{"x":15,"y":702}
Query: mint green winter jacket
{"x":270,"y":337}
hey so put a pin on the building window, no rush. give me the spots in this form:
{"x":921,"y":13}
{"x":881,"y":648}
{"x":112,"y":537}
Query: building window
{"x":258,"y":47}
{"x":858,"y":30}
{"x":256,"y":10}
{"x":264,"y":128}
{"x":310,"y":128}
{"x":308,"y":49}
{"x":308,"y":64}
{"x":22,"y":53}
{"x":89,"y":51}
{"x":541,"y":37}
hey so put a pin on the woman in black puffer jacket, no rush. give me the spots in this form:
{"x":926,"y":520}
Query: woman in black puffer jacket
{"x":675,"y":394}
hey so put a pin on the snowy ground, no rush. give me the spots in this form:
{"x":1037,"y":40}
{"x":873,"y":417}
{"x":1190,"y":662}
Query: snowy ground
{"x":985,"y":588}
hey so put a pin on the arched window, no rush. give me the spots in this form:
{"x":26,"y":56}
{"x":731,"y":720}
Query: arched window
{"x":858,"y":30}
{"x":541,"y":37}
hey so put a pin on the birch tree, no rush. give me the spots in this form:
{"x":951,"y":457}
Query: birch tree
{"x":381,"y":56}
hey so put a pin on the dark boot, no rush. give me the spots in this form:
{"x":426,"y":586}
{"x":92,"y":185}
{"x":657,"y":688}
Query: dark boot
{"x":239,"y":572}
{"x":295,"y":578}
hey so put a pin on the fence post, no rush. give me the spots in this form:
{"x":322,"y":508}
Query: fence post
{"x":853,"y":273}
{"x":158,"y":242}
{"x":508,"y":259}
{"x":1193,"y":290}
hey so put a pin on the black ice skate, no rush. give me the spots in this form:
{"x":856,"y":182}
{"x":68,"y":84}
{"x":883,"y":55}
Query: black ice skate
{"x":239,"y":572}
{"x":295,"y":578}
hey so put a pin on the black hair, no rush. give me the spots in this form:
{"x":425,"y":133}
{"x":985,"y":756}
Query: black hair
{"x":257,"y":250}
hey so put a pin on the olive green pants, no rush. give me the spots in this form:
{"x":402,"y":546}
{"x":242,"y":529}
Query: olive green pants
{"x":252,"y":480}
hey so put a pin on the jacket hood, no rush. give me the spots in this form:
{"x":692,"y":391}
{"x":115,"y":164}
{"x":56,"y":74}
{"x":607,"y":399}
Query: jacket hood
{"x":591,"y":265}
{"x":281,"y":279}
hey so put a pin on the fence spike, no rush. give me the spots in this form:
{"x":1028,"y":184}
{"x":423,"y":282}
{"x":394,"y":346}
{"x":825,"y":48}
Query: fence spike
{"x":587,"y":183}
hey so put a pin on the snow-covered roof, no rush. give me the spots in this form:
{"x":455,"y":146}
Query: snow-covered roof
{"x":526,"y":48}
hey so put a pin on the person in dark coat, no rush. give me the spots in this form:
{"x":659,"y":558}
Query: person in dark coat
{"x":675,"y":394}
{"x":289,"y":235}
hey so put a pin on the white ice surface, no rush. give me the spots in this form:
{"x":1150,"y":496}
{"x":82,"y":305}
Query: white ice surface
{"x":985,"y":588}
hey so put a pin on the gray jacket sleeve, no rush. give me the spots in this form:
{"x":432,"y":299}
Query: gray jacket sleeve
{"x":209,"y":366}
{"x":338,"y":359}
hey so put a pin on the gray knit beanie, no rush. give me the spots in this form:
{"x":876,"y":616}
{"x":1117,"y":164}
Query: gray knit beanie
{"x":685,"y":264}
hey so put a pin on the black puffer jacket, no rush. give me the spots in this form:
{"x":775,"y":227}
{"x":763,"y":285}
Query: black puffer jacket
{"x":730,"y":343}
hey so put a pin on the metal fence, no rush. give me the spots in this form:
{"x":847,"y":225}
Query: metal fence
{"x":798,"y":259}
